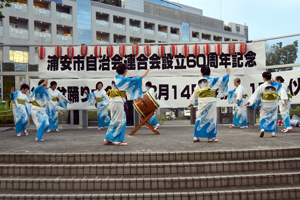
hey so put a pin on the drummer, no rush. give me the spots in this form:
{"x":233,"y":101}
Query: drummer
{"x":153,"y":120}
{"x":121,"y":87}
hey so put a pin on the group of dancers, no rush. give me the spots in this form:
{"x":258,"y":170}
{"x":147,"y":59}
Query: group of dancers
{"x":42,"y":105}
{"x":268,"y":96}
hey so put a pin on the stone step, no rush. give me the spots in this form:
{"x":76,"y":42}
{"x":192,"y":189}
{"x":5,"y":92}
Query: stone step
{"x":149,"y":183}
{"x":262,"y":193}
{"x":149,"y":168}
{"x":149,"y":156}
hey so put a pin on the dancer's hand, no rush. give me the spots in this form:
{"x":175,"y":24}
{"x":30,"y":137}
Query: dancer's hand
{"x":85,"y":92}
{"x":286,"y":102}
{"x":228,"y":70}
{"x":146,"y":72}
{"x":60,"y":112}
{"x":236,"y":101}
{"x":45,"y":82}
{"x":190,"y":106}
{"x":247,"y":103}
{"x":70,"y":102}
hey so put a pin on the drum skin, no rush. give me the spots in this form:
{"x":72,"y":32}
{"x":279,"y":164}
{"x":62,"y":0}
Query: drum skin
{"x":145,"y":105}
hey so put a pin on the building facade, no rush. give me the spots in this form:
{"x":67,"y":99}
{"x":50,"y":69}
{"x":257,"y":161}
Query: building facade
{"x":31,"y":23}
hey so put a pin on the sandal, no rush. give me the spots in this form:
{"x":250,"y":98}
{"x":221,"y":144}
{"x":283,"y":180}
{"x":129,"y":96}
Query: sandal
{"x":213,"y":140}
{"x":262,"y":133}
{"x":244,"y":127}
{"x":120,"y":144}
{"x":198,"y":140}
{"x":107,"y":142}
{"x":232,"y":126}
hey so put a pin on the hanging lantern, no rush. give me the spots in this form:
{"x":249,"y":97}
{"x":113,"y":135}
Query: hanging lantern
{"x":42,"y":52}
{"x":109,"y":51}
{"x":147,"y":50}
{"x":197,"y":50}
{"x":243,"y":48}
{"x":174,"y":50}
{"x":161,"y":50}
{"x":84,"y":49}
{"x":206,"y":49}
{"x":70,"y":52}
{"x":231,"y":48}
{"x":97,"y":51}
{"x":135,"y":49}
{"x":218,"y":49}
{"x":58,"y":51}
{"x":186,"y":50}
{"x":122,"y":50}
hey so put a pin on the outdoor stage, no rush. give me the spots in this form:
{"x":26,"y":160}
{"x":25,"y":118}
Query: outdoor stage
{"x":175,"y":135}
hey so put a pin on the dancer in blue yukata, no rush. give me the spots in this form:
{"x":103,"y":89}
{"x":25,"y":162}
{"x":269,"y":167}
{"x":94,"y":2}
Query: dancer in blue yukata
{"x":153,"y":120}
{"x":121,"y":87}
{"x":102,"y":100}
{"x":238,"y":97}
{"x":21,"y":107}
{"x":284,"y":105}
{"x":266,"y":96}
{"x":204,"y":97}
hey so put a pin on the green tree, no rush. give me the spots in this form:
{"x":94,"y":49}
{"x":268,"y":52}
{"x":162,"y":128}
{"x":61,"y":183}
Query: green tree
{"x":279,"y":55}
{"x":5,"y":3}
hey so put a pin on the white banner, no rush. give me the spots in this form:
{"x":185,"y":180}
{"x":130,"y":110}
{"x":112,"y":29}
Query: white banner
{"x":172,"y":92}
{"x":91,"y":67}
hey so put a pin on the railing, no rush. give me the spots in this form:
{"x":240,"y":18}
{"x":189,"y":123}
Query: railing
{"x":5,"y":114}
{"x":195,"y":40}
{"x":19,"y":7}
{"x":162,"y":34}
{"x":134,"y":29}
{"x":102,"y":23}
{"x":119,"y":27}
{"x":21,"y":67}
{"x":42,"y":12}
{"x":16,"y":33}
{"x":63,"y":39}
{"x":64,"y":16}
{"x":174,"y":36}
{"x":42,"y":37}
{"x":149,"y":32}
{"x":102,"y":42}
{"x":1,"y":30}
{"x":205,"y":40}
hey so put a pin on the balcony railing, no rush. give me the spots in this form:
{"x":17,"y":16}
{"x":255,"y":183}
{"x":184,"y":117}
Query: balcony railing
{"x":134,"y":29}
{"x":42,"y":37}
{"x":120,"y":27}
{"x":195,"y":40}
{"x":174,"y":36}
{"x":162,"y":34}
{"x":102,"y":23}
{"x":102,"y":42}
{"x":42,"y":12}
{"x":1,"y":30}
{"x":64,"y":16}
{"x":149,"y":32}
{"x":16,"y":33}
{"x":21,"y":67}
{"x":205,"y":40}
{"x":63,"y":39}
{"x":19,"y":7}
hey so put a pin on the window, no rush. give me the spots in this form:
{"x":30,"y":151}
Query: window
{"x":18,"y":56}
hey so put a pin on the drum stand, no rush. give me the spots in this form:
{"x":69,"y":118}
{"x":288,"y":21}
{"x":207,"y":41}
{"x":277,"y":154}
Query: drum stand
{"x":145,"y":121}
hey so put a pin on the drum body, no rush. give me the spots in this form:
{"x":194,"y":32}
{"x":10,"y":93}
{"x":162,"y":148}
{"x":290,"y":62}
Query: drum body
{"x":145,"y":105}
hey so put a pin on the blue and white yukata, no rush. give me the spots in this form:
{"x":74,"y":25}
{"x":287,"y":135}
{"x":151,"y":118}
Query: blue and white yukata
{"x":206,"y":119}
{"x":285,"y":109}
{"x":59,"y":100}
{"x":240,"y":110}
{"x":269,"y":105}
{"x":153,"y":120}
{"x":117,"y":125}
{"x":102,"y":101}
{"x":41,"y":99}
{"x":21,"y":108}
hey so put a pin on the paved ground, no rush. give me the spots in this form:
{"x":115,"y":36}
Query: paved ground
{"x":174,"y":136}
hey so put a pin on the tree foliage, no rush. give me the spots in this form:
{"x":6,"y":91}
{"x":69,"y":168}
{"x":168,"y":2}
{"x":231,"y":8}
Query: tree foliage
{"x":5,"y":3}
{"x":279,"y":55}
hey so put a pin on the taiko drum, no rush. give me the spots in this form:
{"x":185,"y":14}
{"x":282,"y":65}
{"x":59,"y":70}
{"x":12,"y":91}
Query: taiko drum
{"x":145,"y":105}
